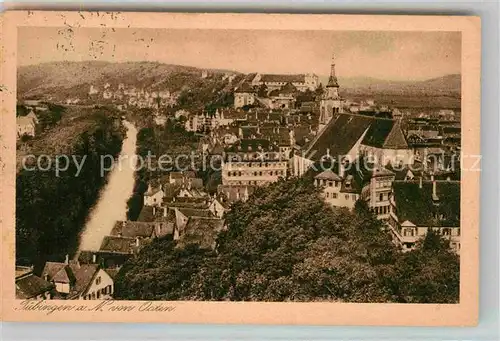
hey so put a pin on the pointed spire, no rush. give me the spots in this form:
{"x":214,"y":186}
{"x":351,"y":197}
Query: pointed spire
{"x":332,"y":81}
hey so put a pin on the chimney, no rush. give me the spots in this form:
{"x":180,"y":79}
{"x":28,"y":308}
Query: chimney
{"x":434,"y":192}
{"x":164,"y":211}
{"x":154,"y":211}
{"x":94,"y":258}
{"x":66,"y":261}
{"x":420,"y":183}
{"x":46,"y":277}
{"x":137,"y":242}
{"x":424,"y":160}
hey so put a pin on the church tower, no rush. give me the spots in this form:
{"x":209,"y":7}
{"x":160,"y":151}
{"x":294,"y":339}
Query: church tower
{"x":330,"y":103}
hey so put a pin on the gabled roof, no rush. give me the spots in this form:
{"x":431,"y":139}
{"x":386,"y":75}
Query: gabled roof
{"x":84,"y":274}
{"x":408,"y":223}
{"x":416,"y":205}
{"x":133,"y":229}
{"x":385,"y":133}
{"x":288,"y":88}
{"x":117,"y":244}
{"x":328,"y":175}
{"x":52,"y":268}
{"x":195,"y":212}
{"x":339,"y":136}
{"x":245,"y":88}
{"x":381,"y":171}
{"x":273,"y":78}
{"x":29,"y":286}
{"x":24,"y":120}
{"x":201,"y":231}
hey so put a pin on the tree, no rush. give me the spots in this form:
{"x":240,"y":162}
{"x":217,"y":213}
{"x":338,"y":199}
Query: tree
{"x":286,"y":244}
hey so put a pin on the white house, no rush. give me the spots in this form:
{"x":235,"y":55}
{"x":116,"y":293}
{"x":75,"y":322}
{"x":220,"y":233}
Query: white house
{"x":25,"y":126}
{"x":154,"y":196}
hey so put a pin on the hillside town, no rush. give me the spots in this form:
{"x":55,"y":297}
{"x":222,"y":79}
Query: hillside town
{"x":403,"y":164}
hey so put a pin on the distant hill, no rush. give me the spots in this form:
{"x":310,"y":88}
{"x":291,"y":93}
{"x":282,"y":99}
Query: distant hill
{"x":449,"y":84}
{"x":75,"y":78}
{"x":62,"y":80}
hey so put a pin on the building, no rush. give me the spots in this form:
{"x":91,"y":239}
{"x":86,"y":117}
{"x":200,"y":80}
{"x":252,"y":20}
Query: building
{"x":73,"y":280}
{"x":349,"y":136}
{"x":376,"y":190}
{"x":25,"y":126}
{"x":419,"y":206}
{"x":302,"y":82}
{"x":244,"y":96}
{"x":153,"y":196}
{"x":202,"y":231}
{"x":331,"y":103}
{"x":336,"y":191}
{"x":253,"y":162}
{"x":31,"y":287}
{"x":234,"y":193}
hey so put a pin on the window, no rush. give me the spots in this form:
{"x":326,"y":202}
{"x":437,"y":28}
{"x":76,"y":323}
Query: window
{"x":336,"y":184}
{"x":381,"y":197}
{"x":347,"y":197}
{"x":98,"y":280}
{"x":334,"y":195}
{"x":327,"y":195}
{"x":353,"y":197}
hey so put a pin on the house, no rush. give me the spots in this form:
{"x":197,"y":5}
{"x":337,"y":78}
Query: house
{"x":31,"y":287}
{"x":376,"y":188}
{"x":233,"y":193}
{"x":420,"y":206}
{"x":25,"y":126}
{"x":33,"y":117}
{"x":183,"y":214}
{"x":244,"y":95}
{"x":153,"y":196}
{"x":337,"y":191}
{"x":217,"y":208}
{"x":79,"y":281}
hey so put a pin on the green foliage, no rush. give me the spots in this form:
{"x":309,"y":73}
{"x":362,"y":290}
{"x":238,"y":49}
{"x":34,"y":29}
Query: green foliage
{"x":285,"y":244}
{"x":430,"y":274}
{"x":21,"y":110}
{"x":51,"y":210}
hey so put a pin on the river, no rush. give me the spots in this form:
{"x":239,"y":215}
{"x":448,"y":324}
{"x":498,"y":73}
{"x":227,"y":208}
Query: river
{"x":112,"y":203}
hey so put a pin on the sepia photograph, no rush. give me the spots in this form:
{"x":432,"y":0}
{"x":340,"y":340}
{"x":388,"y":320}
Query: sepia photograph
{"x":239,"y":165}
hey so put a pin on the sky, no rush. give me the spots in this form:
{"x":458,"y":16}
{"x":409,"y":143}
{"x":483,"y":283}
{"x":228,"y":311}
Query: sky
{"x":377,"y":54}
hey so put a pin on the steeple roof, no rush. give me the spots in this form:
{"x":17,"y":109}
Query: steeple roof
{"x":332,"y":80}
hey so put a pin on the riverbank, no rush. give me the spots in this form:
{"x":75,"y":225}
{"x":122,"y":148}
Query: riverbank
{"x":112,"y":203}
{"x":51,"y":209}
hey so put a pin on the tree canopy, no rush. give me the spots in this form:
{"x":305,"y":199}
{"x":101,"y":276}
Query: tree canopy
{"x":286,"y":244}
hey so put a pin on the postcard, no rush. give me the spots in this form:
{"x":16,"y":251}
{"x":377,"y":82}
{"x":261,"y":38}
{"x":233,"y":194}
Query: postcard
{"x":240,"y":168}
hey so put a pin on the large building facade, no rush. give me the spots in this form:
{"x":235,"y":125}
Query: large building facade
{"x":302,"y":82}
{"x":253,"y":162}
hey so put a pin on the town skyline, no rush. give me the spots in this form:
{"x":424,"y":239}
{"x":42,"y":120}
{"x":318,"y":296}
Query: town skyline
{"x":399,"y":56}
